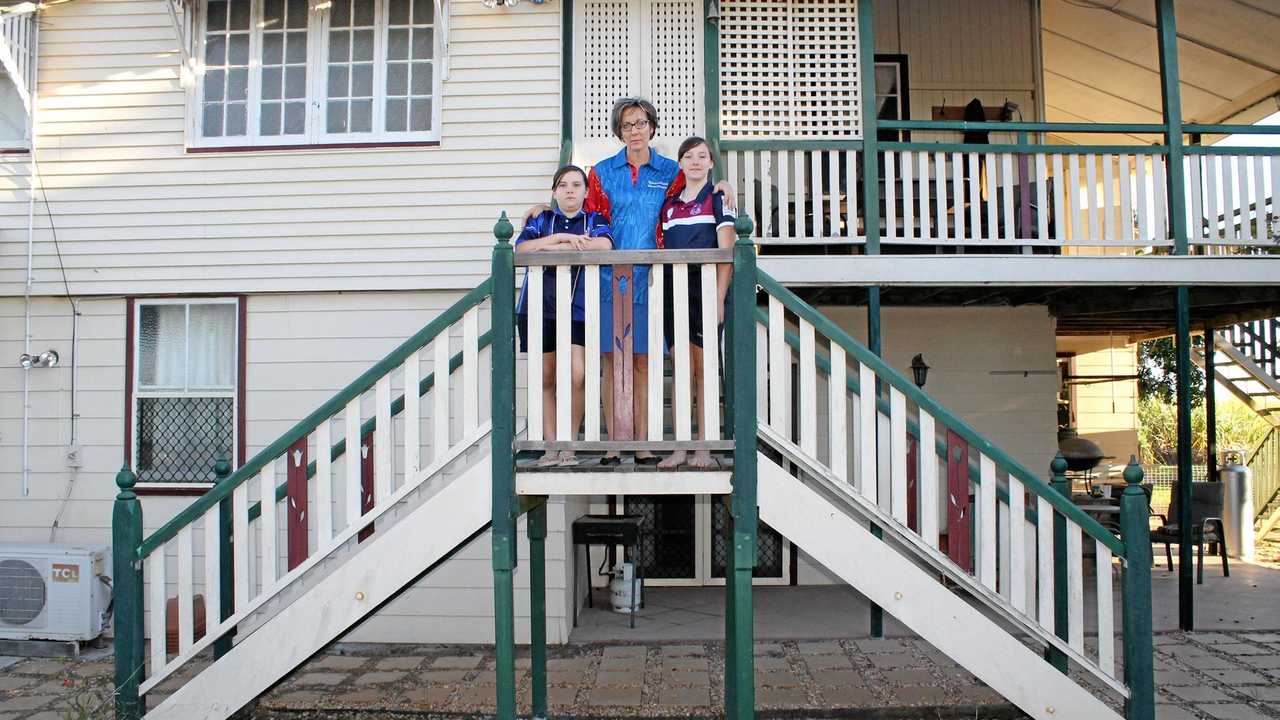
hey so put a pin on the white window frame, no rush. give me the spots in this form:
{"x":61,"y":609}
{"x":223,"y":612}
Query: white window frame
{"x":316,"y":134}
{"x":140,"y":392}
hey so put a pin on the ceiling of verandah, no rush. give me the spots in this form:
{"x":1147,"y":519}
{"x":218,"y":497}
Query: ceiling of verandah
{"x":1101,"y":62}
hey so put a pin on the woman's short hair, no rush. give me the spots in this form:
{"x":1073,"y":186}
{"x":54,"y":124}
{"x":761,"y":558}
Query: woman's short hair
{"x":555,"y":179}
{"x":625,"y":104}
{"x":689,"y":144}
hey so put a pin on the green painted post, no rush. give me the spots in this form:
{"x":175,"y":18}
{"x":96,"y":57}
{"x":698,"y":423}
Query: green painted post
{"x":502,"y":457}
{"x":1182,"y":343}
{"x":1210,"y":404}
{"x":126,"y":536}
{"x":739,"y":698}
{"x":536,"y":526}
{"x":1139,"y":673}
{"x":874,"y":344}
{"x":1059,"y":482}
{"x":226,"y":570}
{"x":711,"y":79}
{"x":566,"y":79}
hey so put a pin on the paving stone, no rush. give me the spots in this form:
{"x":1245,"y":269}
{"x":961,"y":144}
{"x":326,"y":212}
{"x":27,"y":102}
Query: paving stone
{"x":575,"y":664}
{"x":379,"y":678}
{"x":881,"y":645}
{"x":782,"y":697}
{"x":622,"y":664}
{"x":765,"y":649}
{"x":1266,"y":693}
{"x":1174,"y":712}
{"x":686,"y":696}
{"x":1212,"y":638}
{"x":776,"y":679}
{"x":850,"y":696}
{"x":1236,"y":676}
{"x":910,"y":677}
{"x":700,"y":679}
{"x":408,"y":662}
{"x":41,"y":667}
{"x":47,"y":715}
{"x":1233,"y":711}
{"x":456,"y":662}
{"x":298,"y":697}
{"x":923,"y":695}
{"x":894,"y":660}
{"x":614,"y":696}
{"x":1208,"y":662}
{"x":1266,"y":662}
{"x":683,"y":650}
{"x":562,"y":696}
{"x":980,"y":695}
{"x":524,"y":663}
{"x":366,"y":697}
{"x":320,"y":678}
{"x":771,"y":664}
{"x":432,"y":696}
{"x":820,"y":648}
{"x":607,"y":677}
{"x":440,"y":677}
{"x":337,"y":662}
{"x":625,"y":651}
{"x":563,"y":677}
{"x":1239,"y":648}
{"x":1166,"y":638}
{"x":827,"y":662}
{"x":1165,"y":678}
{"x":684,"y":663}
{"x":1182,"y":650}
{"x":477,"y":696}
{"x":26,"y":702}
{"x":1198,"y":693}
{"x":836,"y":678}
{"x":13,"y":682}
{"x":1256,"y":637}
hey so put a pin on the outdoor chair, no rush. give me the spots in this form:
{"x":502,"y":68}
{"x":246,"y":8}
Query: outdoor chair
{"x":1206,"y":526}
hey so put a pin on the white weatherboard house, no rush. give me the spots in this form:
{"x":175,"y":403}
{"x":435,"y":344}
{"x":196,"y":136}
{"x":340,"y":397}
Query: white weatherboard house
{"x":221,"y":213}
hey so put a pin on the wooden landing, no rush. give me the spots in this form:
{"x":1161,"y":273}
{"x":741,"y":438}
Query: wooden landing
{"x":587,"y":476}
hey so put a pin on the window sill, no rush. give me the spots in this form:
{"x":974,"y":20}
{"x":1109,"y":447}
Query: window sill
{"x":171,"y":489}
{"x":322,"y":146}
{"x":15,"y":151}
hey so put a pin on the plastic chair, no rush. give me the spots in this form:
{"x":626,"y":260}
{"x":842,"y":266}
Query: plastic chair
{"x":1206,"y":526}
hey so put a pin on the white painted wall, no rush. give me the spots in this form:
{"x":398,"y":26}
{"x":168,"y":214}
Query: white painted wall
{"x":1105,"y":412}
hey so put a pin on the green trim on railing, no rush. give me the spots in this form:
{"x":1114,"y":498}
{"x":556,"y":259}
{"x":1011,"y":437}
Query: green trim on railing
{"x":397,"y":406}
{"x":566,"y":151}
{"x":1194,"y":128}
{"x":1135,"y":584}
{"x":566,"y":81}
{"x":963,"y":126}
{"x":1026,"y":149}
{"x":741,"y":145}
{"x":1229,"y":150}
{"x":127,"y":606}
{"x":886,"y":372}
{"x":304,"y":427}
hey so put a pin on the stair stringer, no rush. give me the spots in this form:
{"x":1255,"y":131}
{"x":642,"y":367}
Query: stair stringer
{"x":385,"y":564}
{"x":916,"y":598}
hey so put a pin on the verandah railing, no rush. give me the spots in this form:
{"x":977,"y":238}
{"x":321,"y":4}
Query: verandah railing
{"x":1264,"y":471}
{"x":1009,"y":195}
{"x":1258,"y":340}
{"x":227,"y":546}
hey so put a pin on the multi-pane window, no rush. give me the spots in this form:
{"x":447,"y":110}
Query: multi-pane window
{"x":304,"y":72}
{"x":184,"y":400}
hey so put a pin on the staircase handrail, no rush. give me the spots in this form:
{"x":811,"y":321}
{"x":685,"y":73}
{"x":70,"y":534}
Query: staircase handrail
{"x":223,"y":488}
{"x":1246,"y":329}
{"x":908,"y":388}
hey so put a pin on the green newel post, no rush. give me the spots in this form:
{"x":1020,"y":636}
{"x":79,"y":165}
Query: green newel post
{"x":1059,"y":482}
{"x":126,"y":537}
{"x":1139,"y":673}
{"x":503,"y":462}
{"x":739,"y":690}
{"x":536,"y":526}
{"x":226,"y":570}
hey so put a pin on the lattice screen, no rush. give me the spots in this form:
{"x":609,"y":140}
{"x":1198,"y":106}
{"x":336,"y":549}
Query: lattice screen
{"x":606,"y":70}
{"x":789,"y":68}
{"x":675,"y":63}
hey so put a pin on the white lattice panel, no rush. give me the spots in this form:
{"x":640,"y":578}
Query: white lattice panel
{"x":789,"y":68}
{"x":675,"y":62}
{"x":607,"y":63}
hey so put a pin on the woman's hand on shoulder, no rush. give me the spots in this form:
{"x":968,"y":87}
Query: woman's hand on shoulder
{"x":535,"y":211}
{"x":730,"y":194}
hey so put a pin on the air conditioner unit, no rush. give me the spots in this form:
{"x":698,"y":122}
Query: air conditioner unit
{"x":53,"y":592}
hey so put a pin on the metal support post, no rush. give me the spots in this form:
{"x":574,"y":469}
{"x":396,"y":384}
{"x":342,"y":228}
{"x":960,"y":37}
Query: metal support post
{"x":1182,"y":340}
{"x":1139,"y":672}
{"x":126,"y":537}
{"x":502,"y":458}
{"x":1059,"y":482}
{"x":226,"y":568}
{"x":536,"y":526}
{"x":1210,"y":403}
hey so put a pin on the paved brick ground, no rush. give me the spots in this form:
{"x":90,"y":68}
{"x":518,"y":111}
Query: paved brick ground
{"x":1210,"y":675}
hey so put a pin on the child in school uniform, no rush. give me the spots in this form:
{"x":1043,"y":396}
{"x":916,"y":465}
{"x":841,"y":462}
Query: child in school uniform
{"x":565,"y":228}
{"x":695,"y":218}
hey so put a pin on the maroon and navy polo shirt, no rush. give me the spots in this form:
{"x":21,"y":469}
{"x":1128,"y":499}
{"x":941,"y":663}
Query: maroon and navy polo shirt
{"x":693,"y":225}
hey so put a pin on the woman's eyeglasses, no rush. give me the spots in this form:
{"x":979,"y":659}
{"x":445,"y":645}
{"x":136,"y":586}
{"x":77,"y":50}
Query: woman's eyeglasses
{"x":637,"y":125}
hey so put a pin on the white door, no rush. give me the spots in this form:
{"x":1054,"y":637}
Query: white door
{"x":646,"y":48}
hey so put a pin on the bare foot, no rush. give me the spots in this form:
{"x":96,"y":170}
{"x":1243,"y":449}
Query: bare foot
{"x":567,"y":457}
{"x":702,"y":460}
{"x":674,"y":460}
{"x":548,"y":459}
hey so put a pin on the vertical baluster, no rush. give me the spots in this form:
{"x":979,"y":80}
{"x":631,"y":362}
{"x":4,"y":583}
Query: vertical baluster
{"x":471,"y":360}
{"x":851,"y":193}
{"x":833,"y":190}
{"x":1125,"y":227}
{"x":1091,"y":209}
{"x":1006,"y":197}
{"x":781,"y":171}
{"x":1075,"y":588}
{"x":591,"y":395}
{"x":837,"y":406}
{"x":926,"y":225}
{"x":240,"y":543}
{"x":440,"y":393}
{"x":1275,"y":188}
{"x":815,"y":194}
{"x":186,"y":583}
{"x":352,"y":440}
{"x":1259,"y":201}
{"x":940,"y":193}
{"x":1228,"y":200}
{"x":890,"y":196}
{"x":710,"y":420}
{"x":382,"y":435}
{"x":212,"y":569}
{"x":1145,"y":207}
{"x":1003,"y":558}
{"x":808,"y":390}
{"x":159,"y":627}
{"x":957,"y":194}
{"x":533,"y":361}
{"x":1042,"y":198}
{"x":1162,"y":199}
{"x":412,"y":416}
{"x":927,"y":479}
{"x":779,"y":371}
{"x":1108,"y":204}
{"x":267,"y":498}
{"x":993,"y":190}
{"x":1106,"y":612}
{"x":1242,"y":173}
{"x":908,"y":196}
{"x":898,"y":454}
{"x":1195,"y":177}
{"x":763,"y":352}
{"x":799,"y":180}
{"x":1044,"y":564}
{"x":749,"y":183}
{"x":987,"y":521}
{"x":1060,"y":218}
{"x":867,"y":461}
{"x":324,"y":483}
{"x":564,"y":355}
{"x":975,"y":197}
{"x":1017,"y":545}
{"x":680,"y":308}
{"x":657,"y":297}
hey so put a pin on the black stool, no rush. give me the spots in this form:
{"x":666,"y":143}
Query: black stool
{"x":608,"y":531}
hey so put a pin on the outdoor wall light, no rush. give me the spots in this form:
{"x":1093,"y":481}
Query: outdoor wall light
{"x":48,"y":358}
{"x":919,"y":371}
